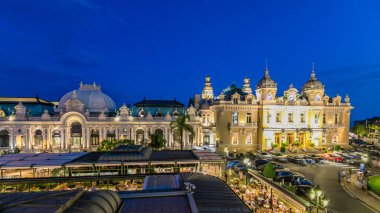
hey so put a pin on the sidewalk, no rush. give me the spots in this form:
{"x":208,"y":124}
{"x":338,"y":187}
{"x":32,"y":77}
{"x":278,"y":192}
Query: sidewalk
{"x":361,"y":194}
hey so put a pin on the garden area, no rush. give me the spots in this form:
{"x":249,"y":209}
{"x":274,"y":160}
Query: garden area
{"x":374,"y":184}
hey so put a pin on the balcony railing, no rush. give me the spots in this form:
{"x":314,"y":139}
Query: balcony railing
{"x":253,"y":124}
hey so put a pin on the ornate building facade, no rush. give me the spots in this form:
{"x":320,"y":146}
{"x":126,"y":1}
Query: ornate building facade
{"x":83,"y":118}
{"x":239,"y":120}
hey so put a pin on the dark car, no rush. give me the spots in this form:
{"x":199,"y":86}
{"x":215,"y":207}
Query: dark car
{"x":300,"y":180}
{"x":303,"y":191}
{"x":275,"y":166}
{"x":297,"y":160}
{"x":240,"y":167}
{"x":260,"y":163}
{"x":282,"y":175}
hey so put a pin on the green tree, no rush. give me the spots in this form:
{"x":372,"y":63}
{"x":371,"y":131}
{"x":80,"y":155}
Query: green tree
{"x":180,"y":126}
{"x":107,"y":145}
{"x":360,"y":130}
{"x":269,"y":170}
{"x":157,"y":141}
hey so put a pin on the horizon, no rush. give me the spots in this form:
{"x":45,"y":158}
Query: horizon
{"x":164,"y":50}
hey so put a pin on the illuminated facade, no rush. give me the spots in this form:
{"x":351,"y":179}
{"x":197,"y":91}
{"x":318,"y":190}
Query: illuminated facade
{"x":240,"y":121}
{"x":83,"y":118}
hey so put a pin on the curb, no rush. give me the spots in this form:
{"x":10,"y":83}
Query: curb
{"x":361,"y":201}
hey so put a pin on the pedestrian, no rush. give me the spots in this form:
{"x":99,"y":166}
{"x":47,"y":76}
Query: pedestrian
{"x":343,"y":177}
{"x":348,"y":179}
{"x":339,"y":175}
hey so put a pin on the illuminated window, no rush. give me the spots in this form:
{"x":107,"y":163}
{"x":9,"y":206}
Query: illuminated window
{"x":249,"y":118}
{"x":336,"y":118}
{"x":235,"y":139}
{"x":38,"y":137}
{"x":290,"y":117}
{"x":249,"y":100}
{"x":94,"y":137}
{"x":316,"y":118}
{"x":249,"y":139}
{"x":235,"y":118}
{"x":302,"y":118}
{"x":278,"y":117}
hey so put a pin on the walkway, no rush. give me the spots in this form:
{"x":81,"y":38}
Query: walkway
{"x":355,"y":190}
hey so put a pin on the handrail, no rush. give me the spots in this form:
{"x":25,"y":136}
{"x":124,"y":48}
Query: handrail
{"x":297,"y":201}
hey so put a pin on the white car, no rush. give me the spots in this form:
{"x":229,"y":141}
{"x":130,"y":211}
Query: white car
{"x":264,"y":155}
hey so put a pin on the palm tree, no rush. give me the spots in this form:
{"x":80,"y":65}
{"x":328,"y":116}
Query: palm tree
{"x":180,"y":126}
{"x":158,"y":141}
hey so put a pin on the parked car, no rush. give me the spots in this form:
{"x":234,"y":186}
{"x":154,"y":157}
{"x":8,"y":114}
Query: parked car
{"x":309,"y":161}
{"x":283,"y":175}
{"x":303,"y":191}
{"x":275,"y":166}
{"x":299,"y":179}
{"x":334,"y":157}
{"x":260,"y":164}
{"x":264,"y":155}
{"x":297,"y":160}
{"x":240,"y":167}
{"x":280,"y":157}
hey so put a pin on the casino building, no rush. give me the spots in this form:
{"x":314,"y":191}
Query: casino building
{"x":83,"y":118}
{"x":239,"y":120}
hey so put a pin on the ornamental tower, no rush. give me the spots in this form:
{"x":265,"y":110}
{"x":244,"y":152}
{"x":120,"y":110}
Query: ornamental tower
{"x":266,"y":89}
{"x":207,"y":92}
{"x":313,"y":90}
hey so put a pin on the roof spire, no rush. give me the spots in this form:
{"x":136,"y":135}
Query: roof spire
{"x":266,"y":73}
{"x":312,"y":77}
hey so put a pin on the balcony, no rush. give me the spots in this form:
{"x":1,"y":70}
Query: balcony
{"x":244,"y":125}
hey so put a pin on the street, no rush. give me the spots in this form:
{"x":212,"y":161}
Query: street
{"x":326,"y":176}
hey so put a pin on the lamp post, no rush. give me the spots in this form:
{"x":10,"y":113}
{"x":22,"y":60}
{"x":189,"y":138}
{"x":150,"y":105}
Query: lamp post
{"x":311,"y":196}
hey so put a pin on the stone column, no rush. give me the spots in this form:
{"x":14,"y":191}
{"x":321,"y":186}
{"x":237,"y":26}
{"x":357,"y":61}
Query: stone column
{"x":11,"y":138}
{"x":116,"y":133}
{"x":49,"y":138}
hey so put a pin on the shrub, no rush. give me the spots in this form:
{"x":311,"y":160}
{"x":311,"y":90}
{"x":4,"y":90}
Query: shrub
{"x":283,"y":149}
{"x":269,"y":170}
{"x":337,"y":148}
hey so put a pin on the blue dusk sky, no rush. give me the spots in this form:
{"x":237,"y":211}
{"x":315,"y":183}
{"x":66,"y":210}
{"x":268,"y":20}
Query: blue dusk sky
{"x":164,"y":49}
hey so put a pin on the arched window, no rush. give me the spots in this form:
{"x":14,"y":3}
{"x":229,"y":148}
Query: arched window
{"x":111,"y":135}
{"x":38,"y":139}
{"x":139,"y":136}
{"x":76,"y":134}
{"x":4,"y":138}
{"x":56,"y":137}
{"x":94,"y":137}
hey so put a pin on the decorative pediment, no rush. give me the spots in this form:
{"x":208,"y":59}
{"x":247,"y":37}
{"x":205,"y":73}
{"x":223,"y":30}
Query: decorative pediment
{"x":20,"y":109}
{"x":167,"y":116}
{"x":124,"y":110}
{"x":291,"y":95}
{"x":175,"y":112}
{"x":141,"y":113}
{"x":149,"y":116}
{"x":191,"y":111}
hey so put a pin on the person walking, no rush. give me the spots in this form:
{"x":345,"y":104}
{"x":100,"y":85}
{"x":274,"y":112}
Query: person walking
{"x":348,"y":179}
{"x":343,"y":177}
{"x":340,"y":175}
